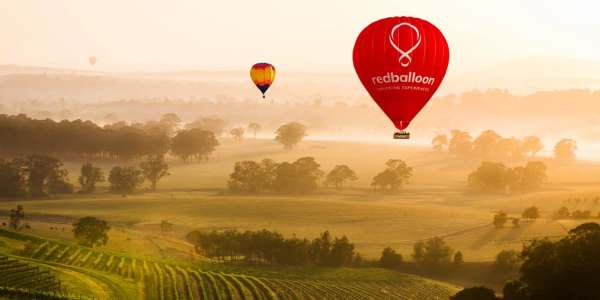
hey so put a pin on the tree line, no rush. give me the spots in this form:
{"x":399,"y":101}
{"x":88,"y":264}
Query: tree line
{"x":42,"y":175}
{"x":489,"y":145}
{"x":305,"y":175}
{"x":494,"y":177}
{"x":270,"y":247}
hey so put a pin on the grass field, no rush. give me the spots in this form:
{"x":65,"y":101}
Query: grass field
{"x":435,"y":203}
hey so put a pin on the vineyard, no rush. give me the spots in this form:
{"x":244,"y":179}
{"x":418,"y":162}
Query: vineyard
{"x":160,"y":280}
{"x":25,"y":281}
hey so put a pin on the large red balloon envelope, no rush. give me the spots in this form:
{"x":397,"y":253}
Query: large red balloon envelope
{"x":401,"y":61}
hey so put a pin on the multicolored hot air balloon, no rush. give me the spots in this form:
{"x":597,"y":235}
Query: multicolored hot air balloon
{"x":401,"y":61}
{"x":262,"y":75}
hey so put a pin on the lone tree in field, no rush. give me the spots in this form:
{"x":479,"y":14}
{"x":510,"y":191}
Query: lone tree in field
{"x":299,"y":177}
{"x":475,"y":293}
{"x":432,"y":253}
{"x":390,"y":259}
{"x":125,"y":179}
{"x":531,"y":213}
{"x":565,"y":149}
{"x":458,"y":259}
{"x":562,"y":213}
{"x":439,"y":142}
{"x":500,"y":219}
{"x":91,"y":232}
{"x":393,"y":177}
{"x":154,"y":169}
{"x":237,"y":133}
{"x":193,"y":143}
{"x":339,"y":175}
{"x":255,"y":128}
{"x":532,"y":145}
{"x":17,"y":218}
{"x":290,"y":134}
{"x":90,"y":175}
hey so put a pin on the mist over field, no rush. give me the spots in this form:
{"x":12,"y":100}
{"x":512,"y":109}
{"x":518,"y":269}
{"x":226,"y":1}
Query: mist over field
{"x":229,"y":151}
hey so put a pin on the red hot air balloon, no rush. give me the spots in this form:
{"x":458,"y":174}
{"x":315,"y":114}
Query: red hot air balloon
{"x":401,"y":61}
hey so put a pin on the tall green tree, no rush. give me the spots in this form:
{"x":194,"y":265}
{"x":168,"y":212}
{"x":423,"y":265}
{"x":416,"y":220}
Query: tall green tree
{"x":90,"y":175}
{"x":125,"y":179}
{"x":432,"y":253}
{"x":194,"y":143}
{"x":12,"y":178}
{"x":17,"y":218}
{"x":45,"y":175}
{"x":154,"y":168}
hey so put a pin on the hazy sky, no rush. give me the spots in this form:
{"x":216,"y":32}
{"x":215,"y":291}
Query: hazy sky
{"x":148,"y":35}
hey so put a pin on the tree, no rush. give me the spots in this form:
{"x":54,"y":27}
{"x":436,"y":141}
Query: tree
{"x":475,"y":293}
{"x":252,"y":177}
{"x":194,"y":143}
{"x":432,"y":253}
{"x":531,"y":213}
{"x":169,"y":122}
{"x":486,"y":144}
{"x":17,"y":218}
{"x":12,"y":178}
{"x":290,"y":134}
{"x":532,"y":145}
{"x":565,"y":149}
{"x":565,"y":269}
{"x":489,"y":177}
{"x":339,"y":175}
{"x":458,"y":259}
{"x":461,"y":143}
{"x":500,"y":219}
{"x":125,"y":179}
{"x":534,"y":174}
{"x":300,"y":176}
{"x":342,"y":252}
{"x":439,"y":142}
{"x":390,"y":259}
{"x":154,"y":169}
{"x":90,"y":175}
{"x":255,"y":128}
{"x":507,"y":260}
{"x":394,"y":176}
{"x":45,"y":175}
{"x":562,"y":213}
{"x":91,"y":232}
{"x":237,"y":133}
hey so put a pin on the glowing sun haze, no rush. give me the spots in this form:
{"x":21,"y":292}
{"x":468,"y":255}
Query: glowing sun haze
{"x":309,"y":35}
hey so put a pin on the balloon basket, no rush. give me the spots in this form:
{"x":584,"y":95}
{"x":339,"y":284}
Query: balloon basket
{"x":402,"y":135}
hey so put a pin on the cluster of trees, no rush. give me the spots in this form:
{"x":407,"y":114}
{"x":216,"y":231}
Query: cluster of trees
{"x":300,"y":176}
{"x":41,"y":175}
{"x":490,"y":145}
{"x":493,"y":177}
{"x":35,"y":175}
{"x":564,"y":269}
{"x":303,"y":176}
{"x":564,"y":213}
{"x":270,"y":247}
{"x":501,"y":218}
{"x":431,"y":255}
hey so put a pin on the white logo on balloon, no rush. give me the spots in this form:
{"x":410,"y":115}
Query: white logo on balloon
{"x":405,"y":58}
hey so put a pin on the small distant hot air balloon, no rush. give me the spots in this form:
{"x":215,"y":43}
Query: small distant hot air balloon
{"x":92,"y":60}
{"x":401,"y":62}
{"x":262,"y":75}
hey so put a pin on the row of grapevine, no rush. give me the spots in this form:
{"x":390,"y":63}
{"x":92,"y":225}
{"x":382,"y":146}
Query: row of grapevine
{"x":170,"y":281}
{"x":17,"y":274}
